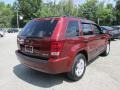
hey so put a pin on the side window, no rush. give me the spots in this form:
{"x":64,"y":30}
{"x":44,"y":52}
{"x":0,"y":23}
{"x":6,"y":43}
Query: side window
{"x":72,"y":29}
{"x":96,"y":29}
{"x":87,"y":29}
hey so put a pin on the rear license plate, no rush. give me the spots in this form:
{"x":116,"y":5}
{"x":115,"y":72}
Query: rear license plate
{"x":28,"y":49}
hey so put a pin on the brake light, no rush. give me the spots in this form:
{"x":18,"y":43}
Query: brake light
{"x":56,"y":48}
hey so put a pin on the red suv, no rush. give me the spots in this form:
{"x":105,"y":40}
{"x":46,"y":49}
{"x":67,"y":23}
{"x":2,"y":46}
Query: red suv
{"x":61,"y":45}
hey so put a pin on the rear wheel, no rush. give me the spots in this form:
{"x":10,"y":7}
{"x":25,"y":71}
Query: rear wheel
{"x":78,"y":68}
{"x":107,"y":50}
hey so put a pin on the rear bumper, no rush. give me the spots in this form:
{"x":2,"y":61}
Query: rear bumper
{"x":51,"y":66}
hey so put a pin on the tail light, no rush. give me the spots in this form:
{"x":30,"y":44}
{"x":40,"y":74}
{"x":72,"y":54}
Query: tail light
{"x":20,"y":42}
{"x":56,"y":48}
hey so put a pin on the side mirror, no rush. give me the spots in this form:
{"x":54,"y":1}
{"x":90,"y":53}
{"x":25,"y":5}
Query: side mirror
{"x":104,"y":31}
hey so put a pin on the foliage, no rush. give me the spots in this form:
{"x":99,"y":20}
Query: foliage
{"x":29,"y":9}
{"x":117,"y":13}
{"x":88,"y":9}
{"x":6,"y":15}
{"x":95,"y":10}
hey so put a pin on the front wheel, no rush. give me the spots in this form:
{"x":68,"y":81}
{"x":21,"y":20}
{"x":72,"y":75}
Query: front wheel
{"x":107,"y":50}
{"x":78,"y":68}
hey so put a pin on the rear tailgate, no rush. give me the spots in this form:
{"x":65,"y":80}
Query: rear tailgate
{"x":35,"y":38}
{"x":36,"y":47}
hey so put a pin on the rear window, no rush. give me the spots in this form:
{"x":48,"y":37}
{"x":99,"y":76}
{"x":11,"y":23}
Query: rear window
{"x":39,"y":28}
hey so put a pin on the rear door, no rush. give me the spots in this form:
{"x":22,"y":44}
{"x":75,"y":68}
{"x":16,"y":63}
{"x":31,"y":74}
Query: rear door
{"x":89,"y":39}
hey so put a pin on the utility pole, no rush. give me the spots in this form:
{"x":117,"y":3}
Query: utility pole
{"x":98,"y":21}
{"x":17,"y":20}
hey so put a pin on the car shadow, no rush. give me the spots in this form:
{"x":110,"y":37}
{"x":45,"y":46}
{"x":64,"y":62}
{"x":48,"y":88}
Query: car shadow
{"x":38,"y":78}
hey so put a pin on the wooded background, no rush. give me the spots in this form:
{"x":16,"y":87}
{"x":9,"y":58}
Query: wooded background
{"x":106,"y":14}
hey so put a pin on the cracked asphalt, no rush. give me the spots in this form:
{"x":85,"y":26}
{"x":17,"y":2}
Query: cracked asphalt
{"x":102,"y":74}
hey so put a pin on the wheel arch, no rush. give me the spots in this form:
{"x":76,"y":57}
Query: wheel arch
{"x":84,"y":52}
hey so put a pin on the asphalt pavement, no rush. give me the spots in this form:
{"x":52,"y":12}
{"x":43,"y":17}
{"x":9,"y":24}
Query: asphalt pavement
{"x":102,"y":74}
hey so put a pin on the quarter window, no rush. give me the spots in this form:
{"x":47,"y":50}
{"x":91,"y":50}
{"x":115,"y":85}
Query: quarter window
{"x":72,"y":29}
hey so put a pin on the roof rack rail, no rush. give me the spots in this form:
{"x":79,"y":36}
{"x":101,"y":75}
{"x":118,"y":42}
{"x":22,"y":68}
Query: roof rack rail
{"x":53,"y":16}
{"x":64,"y":16}
{"x":77,"y":17}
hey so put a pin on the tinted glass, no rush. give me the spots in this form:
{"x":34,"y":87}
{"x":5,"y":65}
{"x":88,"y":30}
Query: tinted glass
{"x":72,"y":29}
{"x":39,"y":28}
{"x":87,"y":29}
{"x":96,"y":29}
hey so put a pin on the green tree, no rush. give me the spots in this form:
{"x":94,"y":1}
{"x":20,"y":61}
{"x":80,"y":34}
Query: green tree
{"x":60,"y":9}
{"x":95,"y":10}
{"x":91,"y":9}
{"x":117,"y":9}
{"x":6,"y":15}
{"x":88,"y":9}
{"x":68,"y":8}
{"x":28,"y":9}
{"x":105,"y":13}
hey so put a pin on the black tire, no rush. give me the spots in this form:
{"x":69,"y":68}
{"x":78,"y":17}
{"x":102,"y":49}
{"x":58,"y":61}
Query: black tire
{"x":72,"y":74}
{"x":107,"y":50}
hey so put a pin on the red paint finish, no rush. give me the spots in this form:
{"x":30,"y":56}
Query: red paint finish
{"x":55,"y":54}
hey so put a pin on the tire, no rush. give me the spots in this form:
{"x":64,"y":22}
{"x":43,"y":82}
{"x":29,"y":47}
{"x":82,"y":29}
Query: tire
{"x":78,"y":68}
{"x":107,"y":50}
